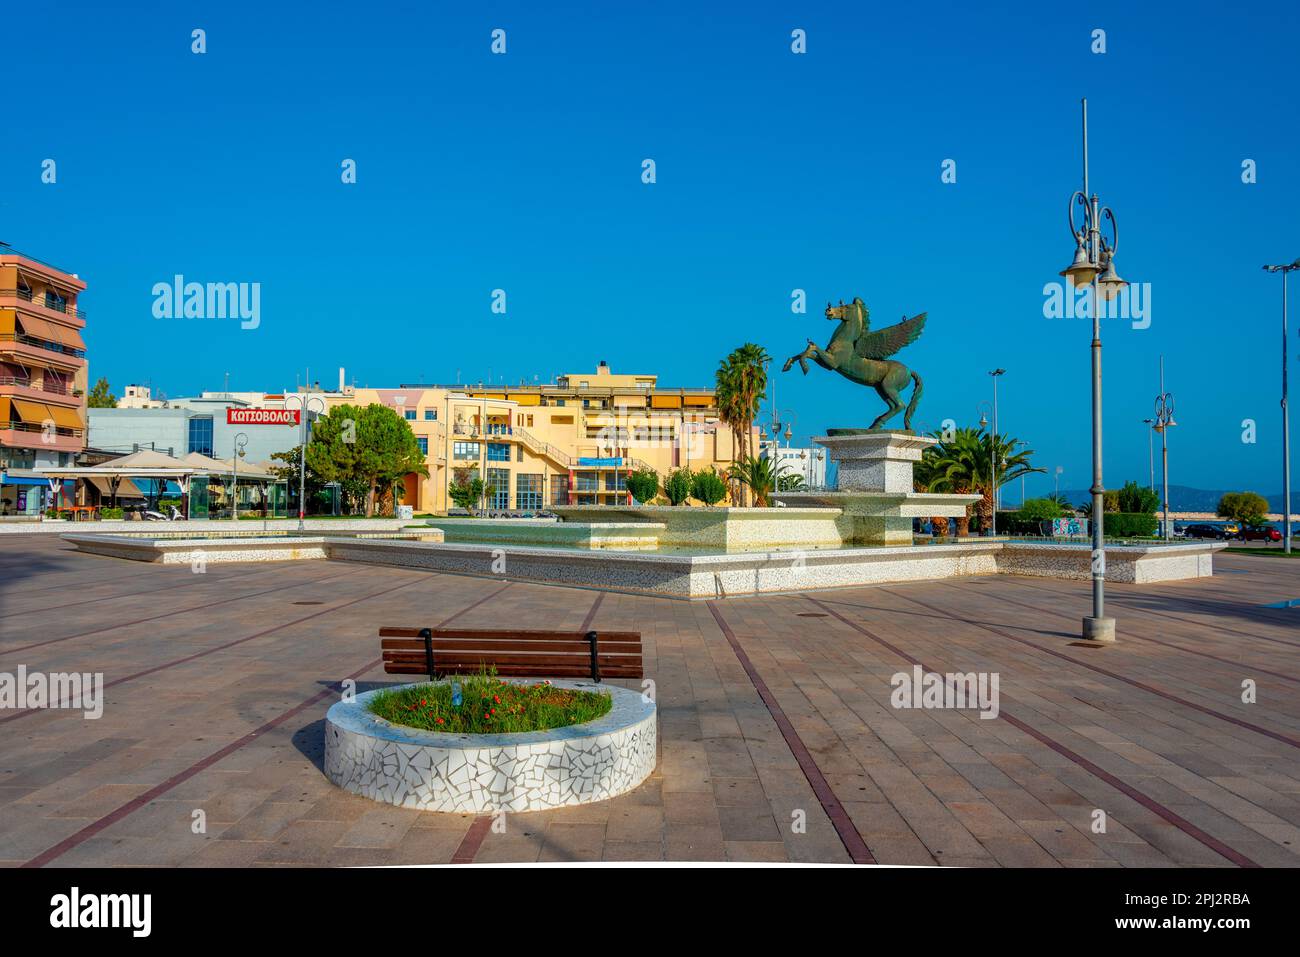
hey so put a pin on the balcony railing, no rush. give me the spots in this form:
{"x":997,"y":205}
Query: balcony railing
{"x":15,"y":380}
{"x":42,"y":344}
{"x":17,"y":426}
{"x":58,"y":305}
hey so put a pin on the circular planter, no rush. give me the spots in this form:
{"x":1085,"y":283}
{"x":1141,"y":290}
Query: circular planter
{"x":527,"y":771}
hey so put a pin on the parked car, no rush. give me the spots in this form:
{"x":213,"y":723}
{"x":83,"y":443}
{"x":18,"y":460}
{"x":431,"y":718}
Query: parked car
{"x":1204,"y":531}
{"x":1231,"y":529}
{"x":1259,"y":533}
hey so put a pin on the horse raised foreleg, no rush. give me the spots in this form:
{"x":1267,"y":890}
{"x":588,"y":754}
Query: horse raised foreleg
{"x":812,"y":352}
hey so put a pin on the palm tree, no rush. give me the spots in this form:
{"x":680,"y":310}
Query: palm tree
{"x":760,"y":475}
{"x":741,"y":385}
{"x":965,"y":464}
{"x":924,"y":474}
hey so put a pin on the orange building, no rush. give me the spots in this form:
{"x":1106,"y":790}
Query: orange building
{"x":42,"y":377}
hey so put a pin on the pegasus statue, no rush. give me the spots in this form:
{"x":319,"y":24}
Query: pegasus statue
{"x":862,"y":356}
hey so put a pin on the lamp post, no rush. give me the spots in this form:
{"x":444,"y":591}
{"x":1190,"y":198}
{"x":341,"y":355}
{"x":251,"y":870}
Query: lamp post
{"x":304,"y":410}
{"x":1286,"y":418}
{"x":1094,"y":266}
{"x":993,"y":452}
{"x":1151,"y":453}
{"x":1164,"y":422}
{"x":241,"y":442}
{"x":1059,"y":470}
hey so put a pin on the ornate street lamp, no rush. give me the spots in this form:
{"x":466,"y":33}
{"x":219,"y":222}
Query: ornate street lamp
{"x":305,"y":410}
{"x":1165,"y":422}
{"x":1286,"y":417}
{"x":1094,"y":265}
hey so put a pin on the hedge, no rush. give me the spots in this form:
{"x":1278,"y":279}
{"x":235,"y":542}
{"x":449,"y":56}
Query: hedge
{"x":1129,"y":524}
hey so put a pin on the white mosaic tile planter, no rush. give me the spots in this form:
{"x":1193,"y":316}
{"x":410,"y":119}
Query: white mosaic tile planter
{"x":531,"y":771}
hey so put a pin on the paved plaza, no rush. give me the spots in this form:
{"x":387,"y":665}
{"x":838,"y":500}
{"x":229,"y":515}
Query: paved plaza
{"x":778,"y":741}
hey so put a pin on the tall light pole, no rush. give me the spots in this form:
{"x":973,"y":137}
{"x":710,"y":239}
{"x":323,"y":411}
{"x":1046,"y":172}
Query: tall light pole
{"x":993,"y":458}
{"x":1094,"y":266}
{"x":304,"y":411}
{"x":241,"y":441}
{"x":1151,"y":450}
{"x":1286,"y":418}
{"x":1164,"y":422}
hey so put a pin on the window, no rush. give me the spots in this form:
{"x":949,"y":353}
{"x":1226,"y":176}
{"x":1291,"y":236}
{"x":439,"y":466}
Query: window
{"x":423,"y":442}
{"x":528,"y":491}
{"x":54,"y":301}
{"x":201,"y":434}
{"x":464,"y":450}
{"x":410,"y":415}
{"x":431,"y":415}
{"x":559,"y":490}
{"x":498,"y":483}
{"x":498,"y":452}
{"x":615,"y":482}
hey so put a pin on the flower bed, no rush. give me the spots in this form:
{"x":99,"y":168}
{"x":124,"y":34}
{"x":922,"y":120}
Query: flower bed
{"x":497,"y":771}
{"x":488,"y":705}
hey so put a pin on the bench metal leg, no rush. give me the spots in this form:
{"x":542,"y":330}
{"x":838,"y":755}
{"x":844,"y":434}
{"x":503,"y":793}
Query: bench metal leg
{"x":427,"y":635}
{"x":595,"y":659}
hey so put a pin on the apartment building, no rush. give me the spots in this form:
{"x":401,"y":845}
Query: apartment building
{"x":42,"y":377}
{"x":571,"y":441}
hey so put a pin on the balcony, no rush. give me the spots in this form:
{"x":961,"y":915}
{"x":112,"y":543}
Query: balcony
{"x":45,"y":302}
{"x":35,"y":347}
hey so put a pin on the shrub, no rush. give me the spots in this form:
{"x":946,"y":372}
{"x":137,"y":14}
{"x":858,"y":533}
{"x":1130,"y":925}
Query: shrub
{"x":467,"y":493}
{"x":1137,"y":498}
{"x":677,"y":487}
{"x":1129,"y":524}
{"x":709,"y":487}
{"x":110,"y":513}
{"x":1247,"y":507}
{"x":1029,"y":519}
{"x":643,"y":484}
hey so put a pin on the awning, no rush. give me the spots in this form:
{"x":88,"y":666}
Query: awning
{"x":33,"y":413}
{"x":5,"y":412}
{"x":65,"y":418}
{"x":52,"y":332}
{"x":125,"y":489}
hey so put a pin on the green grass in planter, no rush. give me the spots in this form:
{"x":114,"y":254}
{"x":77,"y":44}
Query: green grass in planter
{"x":489,"y":705}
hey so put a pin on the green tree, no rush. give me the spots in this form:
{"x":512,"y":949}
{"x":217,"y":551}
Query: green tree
{"x":708,"y":487}
{"x":789,"y":483}
{"x":964,"y":463}
{"x":1039,"y":510}
{"x":1135,"y":499}
{"x":1250,"y":508}
{"x":677,"y":486}
{"x":644,"y":485}
{"x":368,"y":446}
{"x":739,"y":388}
{"x":759,"y":475}
{"x":100,"y":397}
{"x":467,"y":492}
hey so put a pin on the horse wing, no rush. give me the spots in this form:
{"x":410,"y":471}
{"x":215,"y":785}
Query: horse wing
{"x":885,"y":342}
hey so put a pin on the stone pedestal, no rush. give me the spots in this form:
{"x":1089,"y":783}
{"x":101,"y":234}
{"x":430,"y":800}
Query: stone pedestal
{"x":875,"y":487}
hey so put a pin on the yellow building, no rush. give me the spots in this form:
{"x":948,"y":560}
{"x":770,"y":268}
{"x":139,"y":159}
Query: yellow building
{"x":574,"y":441}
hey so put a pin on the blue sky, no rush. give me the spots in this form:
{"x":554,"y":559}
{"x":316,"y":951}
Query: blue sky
{"x":775,"y":172}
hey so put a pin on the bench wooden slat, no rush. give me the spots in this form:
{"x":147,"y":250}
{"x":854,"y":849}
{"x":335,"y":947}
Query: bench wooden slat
{"x":493,"y":645}
{"x":521,"y":653}
{"x":496,"y":634}
{"x":520,"y":671}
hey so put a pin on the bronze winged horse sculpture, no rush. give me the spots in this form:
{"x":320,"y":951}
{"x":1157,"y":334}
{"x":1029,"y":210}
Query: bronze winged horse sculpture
{"x":862,"y":356}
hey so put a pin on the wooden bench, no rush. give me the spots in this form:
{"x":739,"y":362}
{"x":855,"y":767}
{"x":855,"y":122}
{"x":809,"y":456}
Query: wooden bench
{"x":512,"y":653}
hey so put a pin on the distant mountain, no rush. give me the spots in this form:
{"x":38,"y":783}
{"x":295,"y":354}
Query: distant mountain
{"x":1184,"y":498}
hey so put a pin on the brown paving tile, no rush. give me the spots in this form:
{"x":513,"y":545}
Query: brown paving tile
{"x":920,"y":787}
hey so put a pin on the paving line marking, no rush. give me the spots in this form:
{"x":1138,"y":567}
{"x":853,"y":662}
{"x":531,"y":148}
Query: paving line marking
{"x":1141,"y":685}
{"x":1158,"y":641}
{"x":90,"y":830}
{"x":169,"y":614}
{"x":853,"y":842}
{"x":213,"y":650}
{"x":1184,"y":825}
{"x":147,"y":591}
{"x":478,"y":831}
